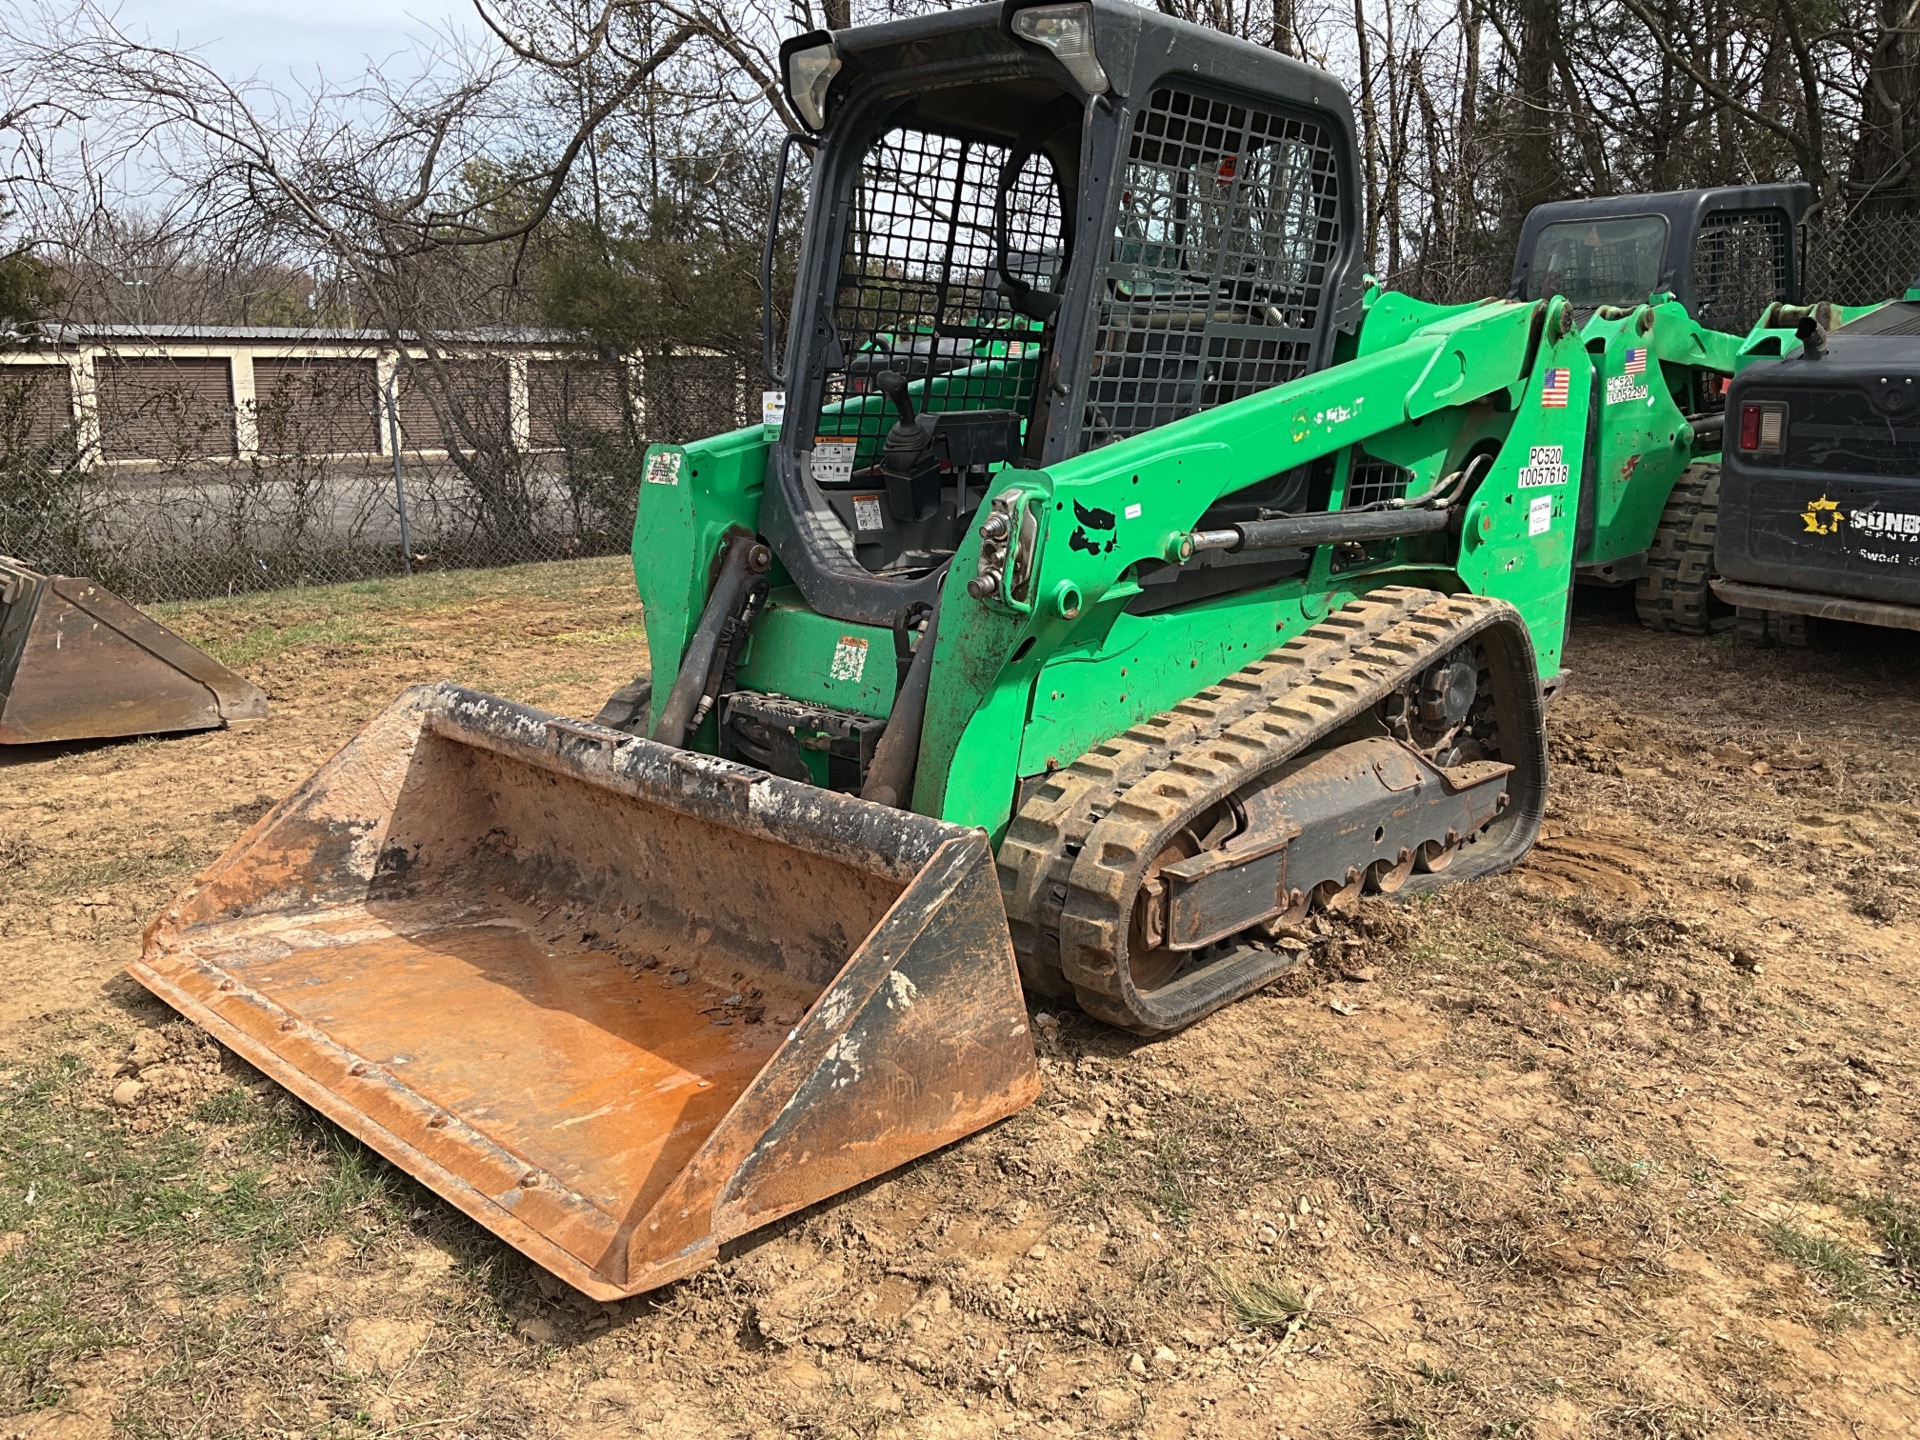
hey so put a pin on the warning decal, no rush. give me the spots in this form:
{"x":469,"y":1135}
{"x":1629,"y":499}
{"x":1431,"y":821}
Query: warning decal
{"x":849,"y":659}
{"x":832,"y":461}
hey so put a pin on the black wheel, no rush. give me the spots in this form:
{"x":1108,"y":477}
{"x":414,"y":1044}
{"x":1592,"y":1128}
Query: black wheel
{"x":626,"y":709}
{"x":1676,"y":593}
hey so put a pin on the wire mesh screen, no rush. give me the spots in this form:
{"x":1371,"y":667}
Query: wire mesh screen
{"x":1223,"y":250}
{"x":1371,"y":481}
{"x":919,"y":290}
{"x":1740,"y":266}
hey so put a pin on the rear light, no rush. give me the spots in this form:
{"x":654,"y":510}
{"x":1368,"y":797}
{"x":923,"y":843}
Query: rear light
{"x":1763,"y":428}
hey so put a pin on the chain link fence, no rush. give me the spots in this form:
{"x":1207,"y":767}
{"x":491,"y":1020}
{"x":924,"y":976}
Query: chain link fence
{"x":191,"y":520}
{"x":302,"y":501}
{"x":1854,"y":262}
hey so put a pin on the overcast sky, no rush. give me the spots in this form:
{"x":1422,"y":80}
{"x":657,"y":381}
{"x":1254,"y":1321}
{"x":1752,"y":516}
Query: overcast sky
{"x":283,"y":40}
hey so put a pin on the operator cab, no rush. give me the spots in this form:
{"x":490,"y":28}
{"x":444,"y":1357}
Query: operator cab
{"x":1033,"y":230}
{"x":1725,"y":254}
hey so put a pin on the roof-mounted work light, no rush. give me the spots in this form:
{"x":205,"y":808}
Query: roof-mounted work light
{"x":808,"y":64}
{"x":1067,"y":31}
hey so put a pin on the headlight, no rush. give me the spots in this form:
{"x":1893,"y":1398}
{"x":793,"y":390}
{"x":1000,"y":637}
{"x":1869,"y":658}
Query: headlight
{"x":809,"y":73}
{"x":1066,"y":30}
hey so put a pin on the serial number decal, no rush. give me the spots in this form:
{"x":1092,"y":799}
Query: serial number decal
{"x":1623,"y":388}
{"x":1546,"y":465}
{"x":1540,"y":515}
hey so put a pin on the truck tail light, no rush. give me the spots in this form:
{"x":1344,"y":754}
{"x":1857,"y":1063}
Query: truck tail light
{"x":1763,"y":428}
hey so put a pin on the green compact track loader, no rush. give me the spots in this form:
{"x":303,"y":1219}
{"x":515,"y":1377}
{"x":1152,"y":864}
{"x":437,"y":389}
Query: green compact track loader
{"x":1668,"y":288}
{"x":1126,"y":579}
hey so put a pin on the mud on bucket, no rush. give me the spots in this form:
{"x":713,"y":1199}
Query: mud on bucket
{"x":619,"y":1003}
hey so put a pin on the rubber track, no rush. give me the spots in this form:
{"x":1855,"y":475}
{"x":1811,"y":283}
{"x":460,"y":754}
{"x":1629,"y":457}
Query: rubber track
{"x":1675,"y":594}
{"x":1358,"y":663}
{"x":1046,"y":835}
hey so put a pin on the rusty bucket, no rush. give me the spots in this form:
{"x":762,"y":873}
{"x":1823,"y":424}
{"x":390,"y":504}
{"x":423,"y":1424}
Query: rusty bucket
{"x":78,"y":663}
{"x":618,"y":1002}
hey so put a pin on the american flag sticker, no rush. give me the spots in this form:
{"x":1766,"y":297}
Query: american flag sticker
{"x":1553,"y":395}
{"x":1636,"y":363}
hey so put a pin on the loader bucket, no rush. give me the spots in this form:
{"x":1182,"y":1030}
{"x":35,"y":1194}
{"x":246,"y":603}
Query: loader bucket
{"x":78,"y":663}
{"x":618,"y":1002}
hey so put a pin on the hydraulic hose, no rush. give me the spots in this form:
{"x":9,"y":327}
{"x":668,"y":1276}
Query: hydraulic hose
{"x":1306,"y":531}
{"x":890,"y":776}
{"x":745,"y":560}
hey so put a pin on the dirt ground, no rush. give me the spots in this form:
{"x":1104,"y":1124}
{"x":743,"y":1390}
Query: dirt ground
{"x":1623,"y":1144}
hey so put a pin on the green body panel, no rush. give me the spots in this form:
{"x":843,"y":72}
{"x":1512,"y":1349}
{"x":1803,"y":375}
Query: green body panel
{"x":797,"y":651}
{"x":680,"y":523}
{"x":1644,"y":442}
{"x":1018,"y":689}
{"x":1464,"y":373}
{"x":1021,"y":688}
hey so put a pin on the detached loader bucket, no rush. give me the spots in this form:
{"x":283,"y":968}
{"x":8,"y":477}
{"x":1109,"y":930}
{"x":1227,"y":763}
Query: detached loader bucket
{"x":77,"y":663}
{"x":619,"y":1003}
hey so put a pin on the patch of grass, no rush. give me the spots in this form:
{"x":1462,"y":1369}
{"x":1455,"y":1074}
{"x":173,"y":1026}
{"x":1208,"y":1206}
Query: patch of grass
{"x":244,"y":630}
{"x":1815,"y":1189}
{"x":1837,"y":1266}
{"x":1896,"y":1223}
{"x":100,"y":1219}
{"x":634,"y":634}
{"x":1625,"y":1173}
{"x":1195,"y":1155}
{"x":1458,"y":943}
{"x":1263,"y":1302}
{"x":177,"y":858}
{"x":1444,"y":1375}
{"x":269,"y":641}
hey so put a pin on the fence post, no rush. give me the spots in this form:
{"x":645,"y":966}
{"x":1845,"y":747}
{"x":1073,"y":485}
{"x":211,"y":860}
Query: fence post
{"x":399,"y":479}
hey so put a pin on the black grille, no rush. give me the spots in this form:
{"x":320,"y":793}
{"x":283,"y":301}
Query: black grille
{"x":1740,"y":267}
{"x":918,"y":290}
{"x":1370,"y":481}
{"x":1224,"y":245}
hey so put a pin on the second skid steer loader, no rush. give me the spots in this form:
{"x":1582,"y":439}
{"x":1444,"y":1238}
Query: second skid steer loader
{"x":1127,"y":578}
